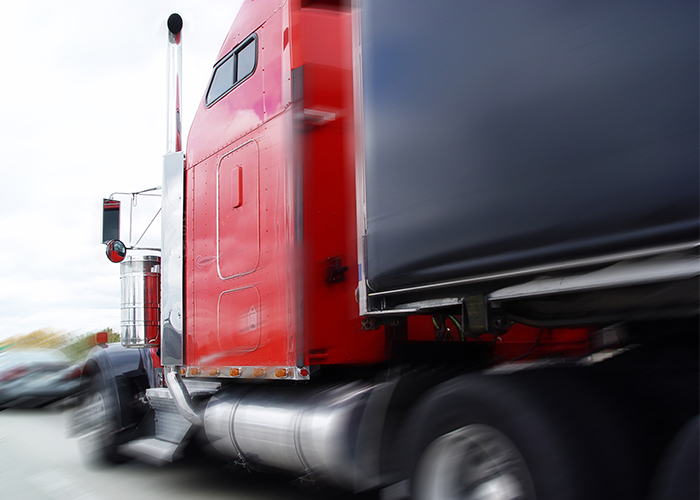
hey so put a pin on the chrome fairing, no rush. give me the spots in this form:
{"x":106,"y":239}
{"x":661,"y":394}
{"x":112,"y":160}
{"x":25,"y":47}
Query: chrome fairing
{"x":172,"y":263}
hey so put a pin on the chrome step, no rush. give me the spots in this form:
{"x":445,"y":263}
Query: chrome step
{"x":152,"y":450}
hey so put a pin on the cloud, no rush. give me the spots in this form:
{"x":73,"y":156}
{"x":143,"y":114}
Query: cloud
{"x":82,"y":115}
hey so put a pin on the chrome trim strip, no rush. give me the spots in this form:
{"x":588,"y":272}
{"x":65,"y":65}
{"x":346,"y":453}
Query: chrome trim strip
{"x":297,"y":185}
{"x":622,"y":274}
{"x":572,"y":264}
{"x":360,"y":191}
{"x":426,"y":305}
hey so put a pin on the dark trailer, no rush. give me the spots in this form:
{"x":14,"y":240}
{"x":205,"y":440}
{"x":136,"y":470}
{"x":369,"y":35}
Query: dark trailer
{"x":509,"y":142}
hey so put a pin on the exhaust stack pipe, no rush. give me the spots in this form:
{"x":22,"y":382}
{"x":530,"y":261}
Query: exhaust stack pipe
{"x":174,"y":139}
{"x":172,"y":327}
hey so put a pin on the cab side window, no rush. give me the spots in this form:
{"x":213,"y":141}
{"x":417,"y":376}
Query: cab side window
{"x":233,"y":69}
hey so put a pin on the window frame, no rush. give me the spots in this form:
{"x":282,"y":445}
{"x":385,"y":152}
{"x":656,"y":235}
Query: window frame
{"x":252,"y":39}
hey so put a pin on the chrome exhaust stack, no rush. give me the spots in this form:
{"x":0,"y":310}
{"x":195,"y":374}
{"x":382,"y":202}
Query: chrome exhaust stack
{"x":181,"y":396}
{"x":172,"y":244}
{"x":174,"y":129}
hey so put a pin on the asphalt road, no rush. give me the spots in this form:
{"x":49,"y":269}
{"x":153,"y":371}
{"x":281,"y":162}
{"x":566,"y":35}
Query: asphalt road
{"x":38,"y":462}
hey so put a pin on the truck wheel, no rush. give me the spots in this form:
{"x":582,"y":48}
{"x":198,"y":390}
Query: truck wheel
{"x":506,"y":438}
{"x":476,"y":461}
{"x":98,"y":418}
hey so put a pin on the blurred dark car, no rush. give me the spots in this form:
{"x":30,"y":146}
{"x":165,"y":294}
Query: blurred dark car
{"x":36,"y":377}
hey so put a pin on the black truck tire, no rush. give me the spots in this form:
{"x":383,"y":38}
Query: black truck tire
{"x":100,"y":412}
{"x":512,"y":437}
{"x":678,"y":474}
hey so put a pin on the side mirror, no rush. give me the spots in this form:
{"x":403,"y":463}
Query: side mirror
{"x":116,"y":250}
{"x":110,"y":220}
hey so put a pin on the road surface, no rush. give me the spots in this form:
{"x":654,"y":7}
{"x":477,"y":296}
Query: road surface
{"x":38,"y":462}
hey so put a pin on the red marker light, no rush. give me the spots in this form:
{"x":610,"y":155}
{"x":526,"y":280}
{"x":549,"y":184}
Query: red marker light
{"x":101,"y":338}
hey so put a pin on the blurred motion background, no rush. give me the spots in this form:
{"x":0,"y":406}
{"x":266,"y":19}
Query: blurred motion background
{"x":82,"y":115}
{"x":39,"y":375}
{"x":38,"y":462}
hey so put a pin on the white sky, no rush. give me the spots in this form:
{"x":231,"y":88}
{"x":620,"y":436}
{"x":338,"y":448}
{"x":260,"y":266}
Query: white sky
{"x":82,"y":115}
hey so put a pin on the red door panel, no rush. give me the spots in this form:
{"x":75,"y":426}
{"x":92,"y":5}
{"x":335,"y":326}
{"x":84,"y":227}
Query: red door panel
{"x":238,"y":205}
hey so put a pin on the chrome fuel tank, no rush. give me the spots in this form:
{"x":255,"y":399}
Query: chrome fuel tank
{"x":310,"y":432}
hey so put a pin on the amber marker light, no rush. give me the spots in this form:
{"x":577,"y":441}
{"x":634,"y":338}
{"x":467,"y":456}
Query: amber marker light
{"x":194,"y":371}
{"x":281,"y":372}
{"x":258,"y":372}
{"x":234,"y":372}
{"x":182,"y":371}
{"x":213,"y":372}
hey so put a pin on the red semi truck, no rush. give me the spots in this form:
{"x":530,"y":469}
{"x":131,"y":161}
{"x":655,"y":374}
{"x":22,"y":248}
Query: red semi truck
{"x":436,"y":249}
